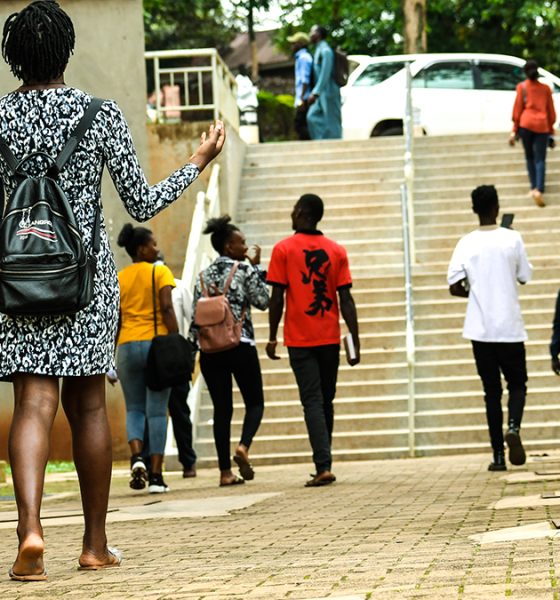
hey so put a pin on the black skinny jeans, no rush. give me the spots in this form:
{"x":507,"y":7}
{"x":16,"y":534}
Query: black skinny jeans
{"x":243,"y":363}
{"x":316,"y":371}
{"x":508,"y":358}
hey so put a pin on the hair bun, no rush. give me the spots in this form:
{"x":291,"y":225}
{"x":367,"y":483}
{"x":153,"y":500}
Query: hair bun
{"x":126,"y":235}
{"x":217,"y":224}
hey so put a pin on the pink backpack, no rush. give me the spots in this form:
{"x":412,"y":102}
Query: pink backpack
{"x":218,"y":328}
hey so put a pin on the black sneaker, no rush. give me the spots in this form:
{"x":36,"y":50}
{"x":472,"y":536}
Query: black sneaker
{"x":516,"y":450}
{"x":156,"y":484}
{"x":499,"y":462}
{"x":138,"y":473}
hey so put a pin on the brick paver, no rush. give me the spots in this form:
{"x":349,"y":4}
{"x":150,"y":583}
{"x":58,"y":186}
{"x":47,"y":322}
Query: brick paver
{"x":386,"y":529}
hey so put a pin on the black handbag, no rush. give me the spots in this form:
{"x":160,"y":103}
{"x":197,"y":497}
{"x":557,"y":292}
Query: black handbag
{"x":169,"y":361}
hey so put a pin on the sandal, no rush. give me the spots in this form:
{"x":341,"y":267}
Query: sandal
{"x":113,"y":552}
{"x":37,"y":577}
{"x":245,"y":467}
{"x":236,"y":481}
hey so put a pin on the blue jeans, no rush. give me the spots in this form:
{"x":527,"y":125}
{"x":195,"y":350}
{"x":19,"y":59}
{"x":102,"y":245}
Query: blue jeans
{"x":535,"y":145}
{"x":142,"y":403}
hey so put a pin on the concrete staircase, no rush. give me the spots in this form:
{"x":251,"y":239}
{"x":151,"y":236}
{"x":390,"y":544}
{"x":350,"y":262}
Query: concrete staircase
{"x":359,"y":183}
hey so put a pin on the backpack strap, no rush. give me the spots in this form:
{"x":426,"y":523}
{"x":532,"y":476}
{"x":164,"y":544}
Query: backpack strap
{"x":154,"y":297}
{"x":230,"y":277}
{"x":77,"y":135}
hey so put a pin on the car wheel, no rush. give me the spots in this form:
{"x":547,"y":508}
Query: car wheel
{"x":395,"y":130}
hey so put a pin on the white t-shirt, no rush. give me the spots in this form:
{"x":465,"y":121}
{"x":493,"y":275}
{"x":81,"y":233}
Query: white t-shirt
{"x":182,"y":305}
{"x":493,"y":260}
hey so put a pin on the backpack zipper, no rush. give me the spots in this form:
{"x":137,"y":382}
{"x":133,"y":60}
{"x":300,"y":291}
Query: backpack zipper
{"x":24,"y":272}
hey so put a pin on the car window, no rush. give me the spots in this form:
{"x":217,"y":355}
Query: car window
{"x":499,"y":76}
{"x":376,"y":73}
{"x":450,"y":75}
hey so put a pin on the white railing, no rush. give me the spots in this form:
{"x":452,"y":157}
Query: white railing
{"x":199,"y":255}
{"x":203,"y":87}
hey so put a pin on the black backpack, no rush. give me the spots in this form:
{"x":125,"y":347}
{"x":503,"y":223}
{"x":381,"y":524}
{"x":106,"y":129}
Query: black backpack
{"x":44,"y":267}
{"x":341,"y":69}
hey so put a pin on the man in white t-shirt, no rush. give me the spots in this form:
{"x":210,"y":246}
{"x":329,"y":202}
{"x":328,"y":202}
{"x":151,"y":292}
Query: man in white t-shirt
{"x":486,"y":267}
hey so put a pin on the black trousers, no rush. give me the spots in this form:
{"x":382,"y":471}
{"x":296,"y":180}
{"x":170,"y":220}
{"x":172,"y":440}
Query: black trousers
{"x":180,"y":414}
{"x":316,"y":370}
{"x":492,"y":360}
{"x":243,"y":363}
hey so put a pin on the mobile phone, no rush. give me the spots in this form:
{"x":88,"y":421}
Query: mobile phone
{"x":507,"y":220}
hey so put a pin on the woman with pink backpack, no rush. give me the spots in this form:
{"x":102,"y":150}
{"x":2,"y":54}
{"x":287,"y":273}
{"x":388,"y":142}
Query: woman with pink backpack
{"x":224,"y":333}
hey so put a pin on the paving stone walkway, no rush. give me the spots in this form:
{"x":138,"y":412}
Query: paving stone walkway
{"x":385,"y":530}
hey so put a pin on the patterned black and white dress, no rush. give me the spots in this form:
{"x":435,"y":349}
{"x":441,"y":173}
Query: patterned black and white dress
{"x":42,"y":120}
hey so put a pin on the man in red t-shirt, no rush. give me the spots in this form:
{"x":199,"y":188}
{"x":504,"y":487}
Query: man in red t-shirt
{"x":310,"y":269}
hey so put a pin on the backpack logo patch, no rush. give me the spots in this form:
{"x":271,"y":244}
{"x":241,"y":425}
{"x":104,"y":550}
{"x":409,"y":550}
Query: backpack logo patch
{"x":41,"y":228}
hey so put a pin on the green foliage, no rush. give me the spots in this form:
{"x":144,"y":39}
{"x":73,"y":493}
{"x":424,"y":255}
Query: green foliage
{"x":276,"y":117}
{"x":176,"y":24}
{"x":357,"y":26}
{"x":525,"y":28}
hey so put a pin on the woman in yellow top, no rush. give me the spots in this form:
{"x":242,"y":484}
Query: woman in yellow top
{"x":136,"y":330}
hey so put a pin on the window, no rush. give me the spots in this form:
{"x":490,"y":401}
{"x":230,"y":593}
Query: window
{"x":450,"y":75}
{"x":499,"y":76}
{"x":376,"y":73}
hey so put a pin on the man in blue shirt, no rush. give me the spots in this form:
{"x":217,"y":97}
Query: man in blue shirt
{"x":323,"y":117}
{"x":303,"y":76}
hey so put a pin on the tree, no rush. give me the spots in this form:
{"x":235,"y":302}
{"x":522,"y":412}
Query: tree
{"x":357,"y":26}
{"x":523,"y":28}
{"x":415,"y":39}
{"x":178,"y":24}
{"x":248,"y":8}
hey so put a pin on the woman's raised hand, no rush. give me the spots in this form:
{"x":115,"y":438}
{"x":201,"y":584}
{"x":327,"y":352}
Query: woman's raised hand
{"x":211,"y":145}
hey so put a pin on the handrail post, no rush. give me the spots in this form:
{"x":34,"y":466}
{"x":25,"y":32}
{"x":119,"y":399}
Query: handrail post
{"x":408,"y":161}
{"x":215,"y":85}
{"x":410,"y":341}
{"x":157,"y":84}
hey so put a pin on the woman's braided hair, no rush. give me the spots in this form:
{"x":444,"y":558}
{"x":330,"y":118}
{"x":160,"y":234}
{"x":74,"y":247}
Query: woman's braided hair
{"x":37,"y":41}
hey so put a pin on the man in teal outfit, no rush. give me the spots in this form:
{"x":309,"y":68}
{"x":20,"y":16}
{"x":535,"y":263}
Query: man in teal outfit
{"x":323,"y":117}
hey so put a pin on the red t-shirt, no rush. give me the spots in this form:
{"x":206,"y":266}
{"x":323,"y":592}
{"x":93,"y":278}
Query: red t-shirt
{"x":311,"y":268}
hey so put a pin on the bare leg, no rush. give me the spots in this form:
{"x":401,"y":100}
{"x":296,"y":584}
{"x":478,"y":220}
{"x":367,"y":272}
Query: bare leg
{"x":156,"y":463}
{"x":83,"y":399}
{"x":35,"y":406}
{"x":135,"y":446}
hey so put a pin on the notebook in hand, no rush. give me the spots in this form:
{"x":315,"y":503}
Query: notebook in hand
{"x":349,"y":346}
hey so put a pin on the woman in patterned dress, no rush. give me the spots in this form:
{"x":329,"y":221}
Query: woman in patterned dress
{"x":36,"y":351}
{"x":248,"y":288}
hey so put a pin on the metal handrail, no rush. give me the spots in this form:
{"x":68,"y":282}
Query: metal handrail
{"x":409,"y":304}
{"x":407,"y":209}
{"x":224,"y":86}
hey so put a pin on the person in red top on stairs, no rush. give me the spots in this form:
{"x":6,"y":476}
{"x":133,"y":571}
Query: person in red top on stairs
{"x":311,"y":270}
{"x":533,"y":122}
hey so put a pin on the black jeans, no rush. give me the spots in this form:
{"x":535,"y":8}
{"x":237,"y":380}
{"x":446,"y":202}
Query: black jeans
{"x":243,"y":363}
{"x":316,"y":371}
{"x":508,"y":358}
{"x":180,"y":414}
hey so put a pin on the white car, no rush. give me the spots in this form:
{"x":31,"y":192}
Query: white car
{"x":451,"y":93}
